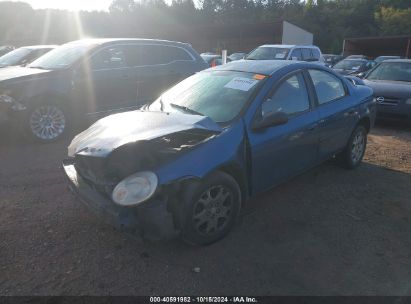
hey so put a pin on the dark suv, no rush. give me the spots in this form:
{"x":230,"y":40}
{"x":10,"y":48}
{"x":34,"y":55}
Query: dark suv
{"x":91,"y":79}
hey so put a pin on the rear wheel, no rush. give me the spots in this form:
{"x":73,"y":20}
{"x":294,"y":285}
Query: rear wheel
{"x":354,"y":152}
{"x":47,"y":122}
{"x":210,"y":209}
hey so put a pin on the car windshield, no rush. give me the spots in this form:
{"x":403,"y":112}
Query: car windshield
{"x":268,"y":53}
{"x":61,"y":57}
{"x":220,"y":95}
{"x":395,"y":71}
{"x":14,"y":57}
{"x":349,"y":64}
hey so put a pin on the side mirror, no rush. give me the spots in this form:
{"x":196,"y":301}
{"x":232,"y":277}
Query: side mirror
{"x":294,"y":58}
{"x":271,"y":120}
{"x":361,"y":75}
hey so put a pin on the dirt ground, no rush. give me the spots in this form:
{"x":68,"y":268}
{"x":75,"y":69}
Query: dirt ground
{"x":327,"y":232}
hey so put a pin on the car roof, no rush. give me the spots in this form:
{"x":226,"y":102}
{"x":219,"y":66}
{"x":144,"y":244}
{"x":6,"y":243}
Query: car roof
{"x":398,"y":60}
{"x":264,"y":67}
{"x":356,"y":59}
{"x":393,"y":57}
{"x":104,"y":41}
{"x":288,"y":46}
{"x":36,"y":47}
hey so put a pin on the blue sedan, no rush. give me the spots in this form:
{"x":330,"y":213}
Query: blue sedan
{"x":186,"y":163}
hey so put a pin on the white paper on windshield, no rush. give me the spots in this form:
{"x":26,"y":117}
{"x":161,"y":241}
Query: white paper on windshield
{"x":280,"y":56}
{"x":242,"y":84}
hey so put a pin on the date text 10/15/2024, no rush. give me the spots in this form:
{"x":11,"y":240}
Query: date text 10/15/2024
{"x":203,"y":300}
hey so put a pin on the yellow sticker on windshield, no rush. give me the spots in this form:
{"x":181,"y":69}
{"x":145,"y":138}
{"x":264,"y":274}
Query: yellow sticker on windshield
{"x":259,"y":77}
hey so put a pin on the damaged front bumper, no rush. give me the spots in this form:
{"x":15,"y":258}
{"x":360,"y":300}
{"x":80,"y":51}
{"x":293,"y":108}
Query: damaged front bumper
{"x":151,"y":219}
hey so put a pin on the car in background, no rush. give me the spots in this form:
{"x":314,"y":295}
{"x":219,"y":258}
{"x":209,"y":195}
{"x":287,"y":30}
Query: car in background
{"x":353,"y":67}
{"x":214,"y":60}
{"x":5,"y":49}
{"x":286,"y":52}
{"x":331,"y":59}
{"x":383,"y":58}
{"x":24,"y":55}
{"x":391,"y":82}
{"x":237,"y":56}
{"x":357,"y":57}
{"x":187,"y":163}
{"x":85,"y":80}
{"x":208,"y":53}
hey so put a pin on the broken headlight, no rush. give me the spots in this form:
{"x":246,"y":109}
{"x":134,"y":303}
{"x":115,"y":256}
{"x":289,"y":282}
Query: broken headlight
{"x":135,"y":189}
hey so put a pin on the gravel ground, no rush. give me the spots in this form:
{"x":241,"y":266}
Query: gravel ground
{"x":327,"y":232}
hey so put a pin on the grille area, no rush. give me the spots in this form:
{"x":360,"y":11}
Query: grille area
{"x":93,"y":171}
{"x":387,"y":101}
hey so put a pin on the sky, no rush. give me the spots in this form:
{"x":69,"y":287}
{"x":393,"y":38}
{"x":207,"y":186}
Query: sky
{"x":73,"y":5}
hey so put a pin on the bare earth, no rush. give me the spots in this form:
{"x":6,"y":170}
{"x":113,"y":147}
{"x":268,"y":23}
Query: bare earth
{"x":327,"y":232}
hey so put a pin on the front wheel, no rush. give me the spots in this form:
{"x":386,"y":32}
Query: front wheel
{"x":47,"y":123}
{"x":354,"y":152}
{"x":210,"y":209}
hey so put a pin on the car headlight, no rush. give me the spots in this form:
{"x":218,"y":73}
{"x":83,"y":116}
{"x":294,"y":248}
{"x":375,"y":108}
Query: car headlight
{"x":408,"y":101}
{"x":6,"y":98}
{"x":135,"y":189}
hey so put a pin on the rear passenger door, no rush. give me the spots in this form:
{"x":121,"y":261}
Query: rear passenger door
{"x":338,"y":112}
{"x":157,"y":68}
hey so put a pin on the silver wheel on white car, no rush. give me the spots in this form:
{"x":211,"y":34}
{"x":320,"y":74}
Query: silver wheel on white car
{"x":47,"y":122}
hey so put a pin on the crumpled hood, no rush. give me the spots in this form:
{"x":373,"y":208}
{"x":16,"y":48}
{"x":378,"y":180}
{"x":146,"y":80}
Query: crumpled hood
{"x":116,"y":130}
{"x":17,"y":73}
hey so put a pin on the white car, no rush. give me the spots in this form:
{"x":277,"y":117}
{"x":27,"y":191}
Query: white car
{"x":309,"y":53}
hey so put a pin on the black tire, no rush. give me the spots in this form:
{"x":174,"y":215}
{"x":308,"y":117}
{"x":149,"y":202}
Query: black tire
{"x":354,"y":152}
{"x":205,"y":216}
{"x":56,"y":126}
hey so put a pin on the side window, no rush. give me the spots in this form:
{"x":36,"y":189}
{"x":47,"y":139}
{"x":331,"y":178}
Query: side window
{"x":109,"y":58}
{"x":154,"y":54}
{"x":174,"y":53}
{"x":306,"y":54}
{"x":316,"y":54}
{"x":291,"y":97}
{"x":296,"y":53}
{"x":327,"y":86}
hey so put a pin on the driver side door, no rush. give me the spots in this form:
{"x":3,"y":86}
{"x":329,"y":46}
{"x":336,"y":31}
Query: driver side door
{"x":280,"y":152}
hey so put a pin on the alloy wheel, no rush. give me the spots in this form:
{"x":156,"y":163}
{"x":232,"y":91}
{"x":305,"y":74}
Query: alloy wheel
{"x":358,"y":147}
{"x":47,"y":122}
{"x":213,"y":210}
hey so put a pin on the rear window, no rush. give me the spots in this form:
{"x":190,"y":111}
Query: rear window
{"x":140,"y":55}
{"x":306,"y":54}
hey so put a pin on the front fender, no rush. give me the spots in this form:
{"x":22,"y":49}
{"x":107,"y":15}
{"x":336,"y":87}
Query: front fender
{"x":225,"y":148}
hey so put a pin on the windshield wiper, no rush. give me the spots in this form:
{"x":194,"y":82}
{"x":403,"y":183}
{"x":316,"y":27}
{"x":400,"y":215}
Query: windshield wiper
{"x":186,"y":109}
